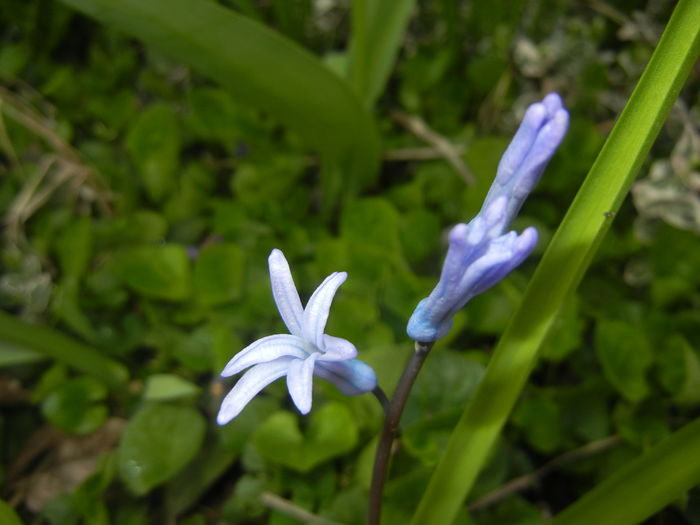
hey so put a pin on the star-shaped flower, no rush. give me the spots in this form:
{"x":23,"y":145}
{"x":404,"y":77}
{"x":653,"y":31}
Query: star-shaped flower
{"x":305,"y":351}
{"x":480,"y":254}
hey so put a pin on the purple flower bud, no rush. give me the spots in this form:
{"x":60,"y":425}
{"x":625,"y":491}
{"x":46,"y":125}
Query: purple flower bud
{"x":479,"y":253}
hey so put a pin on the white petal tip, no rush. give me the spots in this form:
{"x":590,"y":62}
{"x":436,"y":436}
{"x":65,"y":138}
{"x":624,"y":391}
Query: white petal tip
{"x":224,"y":417}
{"x":303,"y":410}
{"x":276,"y":256}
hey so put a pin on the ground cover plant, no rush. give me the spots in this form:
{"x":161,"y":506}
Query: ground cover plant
{"x":156,"y":154}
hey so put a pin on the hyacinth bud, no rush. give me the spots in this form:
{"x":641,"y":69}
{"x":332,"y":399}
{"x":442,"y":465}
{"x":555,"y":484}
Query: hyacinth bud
{"x":479,"y":253}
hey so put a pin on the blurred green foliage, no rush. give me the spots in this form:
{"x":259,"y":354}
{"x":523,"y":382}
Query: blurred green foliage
{"x":141,"y":200}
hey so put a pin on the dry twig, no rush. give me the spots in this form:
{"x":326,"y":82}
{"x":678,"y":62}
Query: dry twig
{"x":528,"y":480}
{"x":294,"y":511}
{"x":451,"y":153}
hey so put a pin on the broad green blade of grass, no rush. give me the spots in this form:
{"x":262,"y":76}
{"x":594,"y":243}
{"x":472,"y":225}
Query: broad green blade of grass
{"x":49,"y":342}
{"x":563,"y":265}
{"x":644,"y":486}
{"x":377,"y":32}
{"x":260,"y":67}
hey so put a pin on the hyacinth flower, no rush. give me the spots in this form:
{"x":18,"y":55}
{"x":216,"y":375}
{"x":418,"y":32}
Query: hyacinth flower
{"x":480,"y":254}
{"x":304,"y":352}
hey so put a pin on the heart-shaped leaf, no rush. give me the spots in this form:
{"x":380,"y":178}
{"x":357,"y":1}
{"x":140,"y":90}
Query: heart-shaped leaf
{"x":157,"y":443}
{"x":156,"y":271}
{"x":332,"y":432}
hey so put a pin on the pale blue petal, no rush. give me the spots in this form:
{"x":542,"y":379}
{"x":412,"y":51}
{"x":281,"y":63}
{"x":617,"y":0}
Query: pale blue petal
{"x":337,"y":349}
{"x":248,"y":386}
{"x":285,"y":293}
{"x":264,"y":350}
{"x":300,"y":382}
{"x":318,"y":307}
{"x":352,"y":377}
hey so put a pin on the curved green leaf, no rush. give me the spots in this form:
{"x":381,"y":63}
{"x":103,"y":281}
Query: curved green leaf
{"x":61,"y":347}
{"x":661,"y":475}
{"x":377,"y":33}
{"x":259,"y":67}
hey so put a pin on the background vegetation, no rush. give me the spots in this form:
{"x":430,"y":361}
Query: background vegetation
{"x":143,"y":187}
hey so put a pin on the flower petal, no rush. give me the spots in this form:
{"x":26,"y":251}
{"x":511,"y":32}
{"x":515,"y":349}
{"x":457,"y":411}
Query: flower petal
{"x":503,"y":255}
{"x":351,"y":377}
{"x":266,"y":349}
{"x":300,"y":382}
{"x":337,"y":349}
{"x":285,"y":293}
{"x":548,"y":139}
{"x":542,"y":129}
{"x":522,"y":142}
{"x":318,"y":307}
{"x":248,"y":386}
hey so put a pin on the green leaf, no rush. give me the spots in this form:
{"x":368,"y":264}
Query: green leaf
{"x":260,"y":68}
{"x":13,"y":354}
{"x":377,"y":33}
{"x":679,"y":369}
{"x":162,"y":271}
{"x":245,"y":502}
{"x":332,"y":432}
{"x":446,"y":382}
{"x":185,"y":489}
{"x":164,"y":387}
{"x":72,"y":406}
{"x":66,"y":306}
{"x":7,"y":515}
{"x":420,"y":234}
{"x":371,"y":221}
{"x":158,"y":442}
{"x":661,"y":475}
{"x":624,"y":354}
{"x":219,"y":273}
{"x":59,"y":346}
{"x":74,"y":247}
{"x":540,"y":418}
{"x":215,"y":115}
{"x":565,"y":335}
{"x":153,"y":143}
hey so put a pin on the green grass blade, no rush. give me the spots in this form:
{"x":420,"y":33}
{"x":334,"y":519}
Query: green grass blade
{"x":563,"y":265}
{"x":644,"y":486}
{"x":260,"y":67}
{"x":51,"y":343}
{"x":377,"y":32}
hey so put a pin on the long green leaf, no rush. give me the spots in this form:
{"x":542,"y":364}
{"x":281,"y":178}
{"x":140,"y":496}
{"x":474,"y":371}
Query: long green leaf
{"x":54,"y":344}
{"x":643,"y":486}
{"x":378,"y":29}
{"x":563,"y":265}
{"x":260,"y":67}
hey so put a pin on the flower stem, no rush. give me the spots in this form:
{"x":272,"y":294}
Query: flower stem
{"x":382,"y":398}
{"x":391,"y":425}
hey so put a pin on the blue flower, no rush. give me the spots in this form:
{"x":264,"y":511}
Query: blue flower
{"x":479,"y":253}
{"x":305,"y":351}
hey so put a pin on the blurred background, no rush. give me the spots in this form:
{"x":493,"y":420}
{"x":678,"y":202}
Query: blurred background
{"x":141,"y":197}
